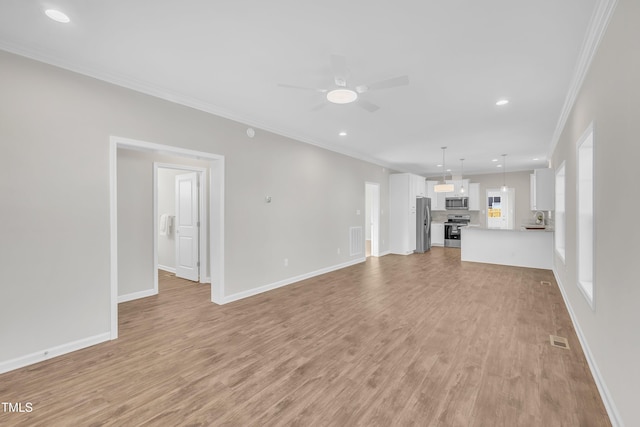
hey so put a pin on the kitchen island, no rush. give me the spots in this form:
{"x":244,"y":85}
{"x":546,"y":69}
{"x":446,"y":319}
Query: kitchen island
{"x":521,"y":247}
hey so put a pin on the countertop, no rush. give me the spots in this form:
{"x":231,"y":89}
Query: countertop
{"x":519,"y":229}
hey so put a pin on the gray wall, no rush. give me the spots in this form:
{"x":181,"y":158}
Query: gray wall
{"x":610,"y":98}
{"x":135,"y":217}
{"x":517,"y":180}
{"x":55,"y":133}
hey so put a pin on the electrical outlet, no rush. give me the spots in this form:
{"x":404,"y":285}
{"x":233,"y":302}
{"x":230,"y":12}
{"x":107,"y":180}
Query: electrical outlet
{"x":286,"y":262}
{"x":338,"y":251}
{"x":358,"y":212}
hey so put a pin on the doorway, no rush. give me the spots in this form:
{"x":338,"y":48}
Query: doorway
{"x":215,"y":232}
{"x":180,"y":221}
{"x":372,"y":219}
{"x":501,"y":208}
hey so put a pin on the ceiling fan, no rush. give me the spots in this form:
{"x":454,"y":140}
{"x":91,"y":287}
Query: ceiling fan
{"x":343,"y":93}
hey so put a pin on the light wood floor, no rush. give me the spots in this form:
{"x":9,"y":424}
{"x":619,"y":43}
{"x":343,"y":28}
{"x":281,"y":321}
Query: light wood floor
{"x":420,"y":340}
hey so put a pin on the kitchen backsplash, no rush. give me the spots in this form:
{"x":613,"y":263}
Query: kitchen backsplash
{"x":441,"y":216}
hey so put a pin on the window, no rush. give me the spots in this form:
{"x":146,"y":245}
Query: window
{"x":560,"y":213}
{"x":584,"y":232}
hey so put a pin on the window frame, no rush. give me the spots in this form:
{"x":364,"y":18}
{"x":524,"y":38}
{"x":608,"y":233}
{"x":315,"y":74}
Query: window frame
{"x":587,"y":246}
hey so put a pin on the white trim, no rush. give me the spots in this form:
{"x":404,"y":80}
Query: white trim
{"x":216,"y":214}
{"x":113,"y":238}
{"x":137,"y":295}
{"x":375,"y":217}
{"x":385,"y":253}
{"x":596,"y":29}
{"x":589,"y":133}
{"x":167,"y":269}
{"x":202,"y":257}
{"x":289,"y":281}
{"x":607,"y":399}
{"x":45,"y":354}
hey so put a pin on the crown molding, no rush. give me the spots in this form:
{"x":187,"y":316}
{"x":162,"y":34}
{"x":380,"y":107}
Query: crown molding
{"x":595,"y":32}
{"x":163,"y":93}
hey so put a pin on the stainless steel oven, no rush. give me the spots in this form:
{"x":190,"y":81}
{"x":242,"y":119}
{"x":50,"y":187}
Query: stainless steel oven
{"x":453,"y":229}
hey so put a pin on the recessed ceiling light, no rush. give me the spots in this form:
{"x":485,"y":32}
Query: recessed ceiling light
{"x":498,"y":166}
{"x":502,"y":102}
{"x":494,"y":160}
{"x":536,"y":159}
{"x":343,"y":133}
{"x":440,"y":165}
{"x":57,"y":16}
{"x":342,"y":96}
{"x":448,"y":170}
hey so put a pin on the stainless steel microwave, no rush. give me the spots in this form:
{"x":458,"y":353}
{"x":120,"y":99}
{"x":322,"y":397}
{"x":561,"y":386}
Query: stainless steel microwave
{"x":457,"y":203}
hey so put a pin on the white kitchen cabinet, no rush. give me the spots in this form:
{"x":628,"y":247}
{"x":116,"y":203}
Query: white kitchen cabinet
{"x":457,"y":187}
{"x":420,"y":185}
{"x":542,"y":187}
{"x":437,"y":199}
{"x":474,"y":196}
{"x":403,"y":190}
{"x":437,"y":234}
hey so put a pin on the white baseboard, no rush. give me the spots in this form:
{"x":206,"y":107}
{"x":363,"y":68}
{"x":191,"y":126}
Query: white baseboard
{"x":205,"y":280}
{"x":384,"y":253}
{"x":168,"y":269}
{"x":137,"y":295}
{"x":45,"y":354}
{"x":285,"y":282}
{"x":610,"y":406}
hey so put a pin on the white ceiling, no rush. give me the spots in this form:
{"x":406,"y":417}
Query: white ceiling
{"x":228,"y":57}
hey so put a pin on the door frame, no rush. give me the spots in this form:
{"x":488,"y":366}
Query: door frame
{"x":202,"y":233}
{"x":216,"y":188}
{"x":375,"y":216}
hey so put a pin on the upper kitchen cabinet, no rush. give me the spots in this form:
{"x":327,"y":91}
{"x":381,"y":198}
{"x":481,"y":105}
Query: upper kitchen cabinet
{"x":542,"y":183}
{"x":420,"y":185}
{"x":457,"y":187}
{"x":437,"y":199}
{"x":474,"y":196}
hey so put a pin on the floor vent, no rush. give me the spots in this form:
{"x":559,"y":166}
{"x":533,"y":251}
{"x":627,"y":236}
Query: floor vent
{"x":557,"y":341}
{"x":545,"y":283}
{"x":356,"y":241}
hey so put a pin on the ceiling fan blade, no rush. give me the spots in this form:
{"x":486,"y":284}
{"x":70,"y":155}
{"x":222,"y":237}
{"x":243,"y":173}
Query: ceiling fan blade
{"x":302,"y":88}
{"x":384,"y":84}
{"x":339,"y":67}
{"x":319,"y":107}
{"x":369,"y":106}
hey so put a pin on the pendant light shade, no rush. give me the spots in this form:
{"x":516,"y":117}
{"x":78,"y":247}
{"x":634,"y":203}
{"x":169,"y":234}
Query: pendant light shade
{"x":504,"y":173}
{"x":443,"y":187}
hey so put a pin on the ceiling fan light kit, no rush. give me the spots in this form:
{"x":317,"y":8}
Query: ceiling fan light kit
{"x":343,"y":93}
{"x":342,"y":96}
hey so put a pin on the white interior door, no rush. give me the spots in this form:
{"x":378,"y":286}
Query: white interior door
{"x":187,"y":225}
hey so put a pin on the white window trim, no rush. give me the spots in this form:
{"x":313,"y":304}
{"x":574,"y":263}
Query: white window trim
{"x":561,"y":253}
{"x":590,"y":297}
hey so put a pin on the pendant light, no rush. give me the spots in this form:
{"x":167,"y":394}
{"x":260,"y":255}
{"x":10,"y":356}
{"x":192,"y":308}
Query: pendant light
{"x":504,"y":173}
{"x":462,"y":176}
{"x":443,"y":187}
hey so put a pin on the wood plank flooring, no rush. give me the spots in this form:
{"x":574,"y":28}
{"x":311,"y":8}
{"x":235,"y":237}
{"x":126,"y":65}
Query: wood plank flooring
{"x":423,"y":340}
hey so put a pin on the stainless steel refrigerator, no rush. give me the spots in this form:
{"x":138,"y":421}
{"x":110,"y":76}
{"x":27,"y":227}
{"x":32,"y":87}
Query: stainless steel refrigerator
{"x":423,"y":224}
